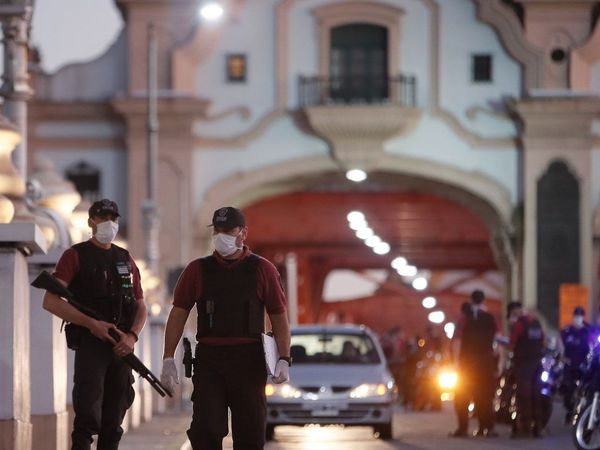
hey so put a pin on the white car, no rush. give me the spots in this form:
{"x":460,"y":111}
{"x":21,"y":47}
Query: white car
{"x":338,"y":376}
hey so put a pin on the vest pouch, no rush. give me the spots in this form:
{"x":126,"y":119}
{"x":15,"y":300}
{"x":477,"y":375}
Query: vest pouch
{"x":73,"y":334}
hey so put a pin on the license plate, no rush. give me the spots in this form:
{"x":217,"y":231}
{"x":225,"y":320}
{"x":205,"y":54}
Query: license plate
{"x":325,"y":413}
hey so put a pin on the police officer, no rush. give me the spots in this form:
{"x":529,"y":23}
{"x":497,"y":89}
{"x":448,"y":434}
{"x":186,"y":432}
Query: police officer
{"x":231,"y":289}
{"x":474,"y":355}
{"x":576,"y":339}
{"x":104,"y":278}
{"x":527,"y":344}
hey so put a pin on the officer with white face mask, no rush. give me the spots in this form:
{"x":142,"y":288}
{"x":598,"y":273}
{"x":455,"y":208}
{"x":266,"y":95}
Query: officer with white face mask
{"x":577,"y":341}
{"x":104,"y":278}
{"x":231,"y":290}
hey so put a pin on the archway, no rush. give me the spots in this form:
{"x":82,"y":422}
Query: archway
{"x":460,"y":224}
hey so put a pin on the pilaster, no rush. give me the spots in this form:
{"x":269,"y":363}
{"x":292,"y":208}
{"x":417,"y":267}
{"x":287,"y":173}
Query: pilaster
{"x":16,"y":242}
{"x":556,"y":129}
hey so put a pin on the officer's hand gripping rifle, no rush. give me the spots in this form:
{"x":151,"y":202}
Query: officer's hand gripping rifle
{"x":49,"y":283}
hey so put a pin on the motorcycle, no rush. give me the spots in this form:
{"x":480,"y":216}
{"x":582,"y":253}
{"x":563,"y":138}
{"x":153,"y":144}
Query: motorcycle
{"x":586,"y":419}
{"x":505,"y":400}
{"x":427,"y":389}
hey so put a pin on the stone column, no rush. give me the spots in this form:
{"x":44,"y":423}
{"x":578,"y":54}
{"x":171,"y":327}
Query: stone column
{"x":17,"y":240}
{"x":49,"y":415}
{"x":156,"y":331}
{"x":556,"y":129}
{"x":15,"y":89}
{"x":291,"y":270}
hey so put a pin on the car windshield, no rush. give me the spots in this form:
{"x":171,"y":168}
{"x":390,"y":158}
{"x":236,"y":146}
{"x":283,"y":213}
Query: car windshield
{"x":333,"y":348}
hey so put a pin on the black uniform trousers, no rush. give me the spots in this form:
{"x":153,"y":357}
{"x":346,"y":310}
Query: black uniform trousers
{"x":527,"y":380}
{"x":571,"y":374}
{"x":102,"y":393}
{"x":234,"y":377}
{"x":476,"y":383}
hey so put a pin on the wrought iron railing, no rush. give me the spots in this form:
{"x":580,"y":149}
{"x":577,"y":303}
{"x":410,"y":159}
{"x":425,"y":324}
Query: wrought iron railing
{"x":399,"y":90}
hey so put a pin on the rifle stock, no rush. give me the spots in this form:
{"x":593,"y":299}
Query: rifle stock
{"x":49,"y":283}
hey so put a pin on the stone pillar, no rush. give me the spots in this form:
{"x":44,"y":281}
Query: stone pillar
{"x":556,"y":129}
{"x":291,"y":270}
{"x":155,"y":329}
{"x":15,"y":90}
{"x":17,"y":240}
{"x":145,"y":392}
{"x":49,"y":415}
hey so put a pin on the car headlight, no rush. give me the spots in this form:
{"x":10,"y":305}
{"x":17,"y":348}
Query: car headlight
{"x":448,"y":380}
{"x":369,"y":390}
{"x":282,"y":390}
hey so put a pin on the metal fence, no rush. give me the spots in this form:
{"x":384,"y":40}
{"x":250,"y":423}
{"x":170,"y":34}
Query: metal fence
{"x":399,"y":90}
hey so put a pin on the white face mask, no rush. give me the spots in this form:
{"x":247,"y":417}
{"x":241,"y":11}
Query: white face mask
{"x":106,"y":231}
{"x":225,"y":244}
{"x":578,"y":321}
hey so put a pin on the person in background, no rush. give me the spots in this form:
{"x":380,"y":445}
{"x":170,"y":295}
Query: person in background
{"x":577,"y":340}
{"x":527,"y":345}
{"x":473,"y":350}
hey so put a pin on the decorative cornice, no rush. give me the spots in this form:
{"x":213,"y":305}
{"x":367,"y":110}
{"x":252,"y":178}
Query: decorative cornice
{"x":504,"y":21}
{"x":473,"y":139}
{"x":557,"y":122}
{"x":243,"y":139}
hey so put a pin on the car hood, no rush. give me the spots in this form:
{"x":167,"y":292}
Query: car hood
{"x":331,"y":374}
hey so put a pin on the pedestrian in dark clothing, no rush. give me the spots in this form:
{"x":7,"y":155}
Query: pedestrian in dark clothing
{"x":231,"y":290}
{"x":527,"y":344}
{"x":576,"y":339}
{"x":473,"y":346}
{"x":104,"y":278}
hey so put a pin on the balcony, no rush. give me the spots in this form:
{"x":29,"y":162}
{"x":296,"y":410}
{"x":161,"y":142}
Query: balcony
{"x":358,"y":90}
{"x":356,"y":115}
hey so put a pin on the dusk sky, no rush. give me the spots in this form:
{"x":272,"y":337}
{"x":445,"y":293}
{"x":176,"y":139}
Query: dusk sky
{"x":68,"y":31}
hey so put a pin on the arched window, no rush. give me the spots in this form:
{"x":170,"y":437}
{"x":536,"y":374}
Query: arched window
{"x":558,"y":251}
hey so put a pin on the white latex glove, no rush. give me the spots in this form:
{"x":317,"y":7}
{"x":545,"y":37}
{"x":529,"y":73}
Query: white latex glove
{"x":282,"y":372}
{"x":168,"y":375}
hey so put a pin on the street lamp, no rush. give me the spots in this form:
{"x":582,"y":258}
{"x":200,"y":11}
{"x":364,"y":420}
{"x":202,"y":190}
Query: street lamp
{"x":211,"y":11}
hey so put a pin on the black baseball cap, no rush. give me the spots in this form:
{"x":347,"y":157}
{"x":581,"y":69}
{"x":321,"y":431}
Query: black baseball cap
{"x":102,"y":207}
{"x":512,"y":305}
{"x":477,"y":296}
{"x":228,"y":217}
{"x":579,"y":311}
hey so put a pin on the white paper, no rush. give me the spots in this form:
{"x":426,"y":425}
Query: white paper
{"x":271,"y":353}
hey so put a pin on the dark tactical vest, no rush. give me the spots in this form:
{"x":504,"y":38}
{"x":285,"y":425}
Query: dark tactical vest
{"x":476,"y":345}
{"x":529,"y":347}
{"x":229,"y":305}
{"x":104,"y":283}
{"x":577,"y":343}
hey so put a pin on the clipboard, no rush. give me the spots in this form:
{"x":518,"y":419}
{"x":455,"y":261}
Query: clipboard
{"x":271,"y":352}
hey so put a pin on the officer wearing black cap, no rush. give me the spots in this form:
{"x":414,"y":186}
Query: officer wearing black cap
{"x":231,"y":290}
{"x":576,"y":339}
{"x":104,"y":278}
{"x":527,"y":341}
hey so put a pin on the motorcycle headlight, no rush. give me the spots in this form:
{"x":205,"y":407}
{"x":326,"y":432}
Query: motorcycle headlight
{"x":282,"y":390}
{"x":369,"y":390}
{"x":448,"y":380}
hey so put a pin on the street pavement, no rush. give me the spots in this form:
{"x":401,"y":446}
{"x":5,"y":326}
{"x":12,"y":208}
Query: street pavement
{"x":412,"y":431}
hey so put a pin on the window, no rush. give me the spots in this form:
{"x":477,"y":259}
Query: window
{"x":86,"y":179}
{"x":334,"y":348}
{"x":482,"y":68}
{"x":358,"y":63}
